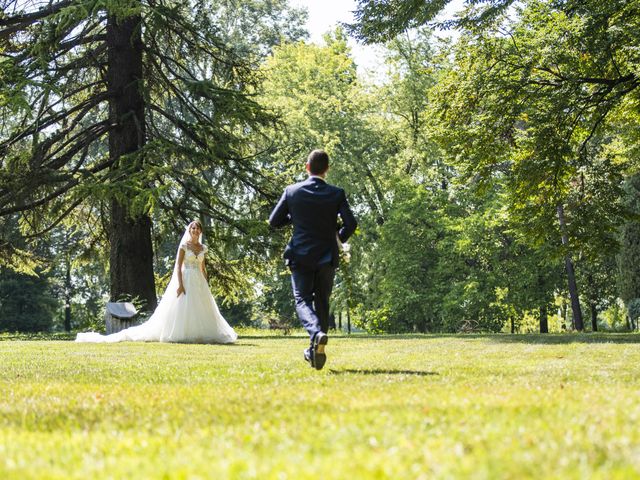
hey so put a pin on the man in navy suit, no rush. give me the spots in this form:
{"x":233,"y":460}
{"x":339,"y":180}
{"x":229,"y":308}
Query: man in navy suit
{"x":313,"y":207}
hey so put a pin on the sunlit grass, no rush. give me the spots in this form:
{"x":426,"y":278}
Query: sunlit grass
{"x":495,"y":406}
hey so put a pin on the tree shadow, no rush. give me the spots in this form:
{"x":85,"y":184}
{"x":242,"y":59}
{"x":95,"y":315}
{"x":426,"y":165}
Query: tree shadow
{"x":37,"y":336}
{"x":378,"y":371}
{"x":273,"y":337}
{"x":566,"y":338}
{"x":532,"y":338}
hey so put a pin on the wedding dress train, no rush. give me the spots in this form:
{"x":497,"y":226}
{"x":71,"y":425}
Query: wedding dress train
{"x":193,"y":317}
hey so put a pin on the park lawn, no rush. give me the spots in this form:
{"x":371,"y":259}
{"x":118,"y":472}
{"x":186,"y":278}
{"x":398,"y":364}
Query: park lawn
{"x":483,"y":406}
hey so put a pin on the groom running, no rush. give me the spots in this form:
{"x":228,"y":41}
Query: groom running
{"x":313,"y":207}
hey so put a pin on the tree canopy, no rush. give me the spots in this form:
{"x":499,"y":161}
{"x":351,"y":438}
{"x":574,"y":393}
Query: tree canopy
{"x":494,"y":176}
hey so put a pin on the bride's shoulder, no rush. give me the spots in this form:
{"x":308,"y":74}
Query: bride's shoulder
{"x":184,"y":246}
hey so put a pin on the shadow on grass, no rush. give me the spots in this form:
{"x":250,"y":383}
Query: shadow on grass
{"x":37,"y":336}
{"x":272,"y":337}
{"x":533,"y":338}
{"x":377,"y":371}
{"x":565,"y":338}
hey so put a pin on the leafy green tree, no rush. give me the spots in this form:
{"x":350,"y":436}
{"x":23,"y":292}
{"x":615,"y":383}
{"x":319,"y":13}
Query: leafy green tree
{"x":599,"y":290}
{"x":384,"y":20}
{"x":276,"y":301}
{"x":27,"y":299}
{"x":26,"y":302}
{"x":534,"y":108}
{"x":628,"y":259}
{"x":408,"y":261}
{"x":321,"y":104}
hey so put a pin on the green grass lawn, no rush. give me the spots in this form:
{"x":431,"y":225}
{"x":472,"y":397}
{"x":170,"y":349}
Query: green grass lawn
{"x":398,"y":407}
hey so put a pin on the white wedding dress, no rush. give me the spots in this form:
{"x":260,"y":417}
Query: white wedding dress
{"x":193,"y":317}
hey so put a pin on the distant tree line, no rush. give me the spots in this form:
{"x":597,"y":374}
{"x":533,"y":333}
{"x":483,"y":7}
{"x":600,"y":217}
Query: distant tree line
{"x":495,"y":177}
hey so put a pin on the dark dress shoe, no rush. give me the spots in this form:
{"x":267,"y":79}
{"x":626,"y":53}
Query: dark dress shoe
{"x":318,"y":357}
{"x":308,"y":356}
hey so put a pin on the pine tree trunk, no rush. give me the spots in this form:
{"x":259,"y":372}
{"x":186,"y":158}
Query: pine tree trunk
{"x":571,"y":276}
{"x":513,"y":325}
{"x":544,"y":320}
{"x":131,"y":255}
{"x":131,"y":258}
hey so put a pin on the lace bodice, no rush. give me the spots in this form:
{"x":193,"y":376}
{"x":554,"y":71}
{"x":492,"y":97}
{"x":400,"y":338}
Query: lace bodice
{"x":191,"y":260}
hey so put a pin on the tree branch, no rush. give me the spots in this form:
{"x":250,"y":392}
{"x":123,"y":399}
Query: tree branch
{"x":72,"y":183}
{"x":57,"y":221}
{"x":41,"y":125}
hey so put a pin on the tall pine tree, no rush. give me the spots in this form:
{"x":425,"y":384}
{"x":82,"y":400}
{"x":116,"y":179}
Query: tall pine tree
{"x":129,"y":105}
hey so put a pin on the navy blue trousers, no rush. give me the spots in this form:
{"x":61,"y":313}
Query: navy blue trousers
{"x":311,"y":291}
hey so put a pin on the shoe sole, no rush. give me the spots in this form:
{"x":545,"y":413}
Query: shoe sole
{"x":321,"y":344}
{"x":321,"y":359}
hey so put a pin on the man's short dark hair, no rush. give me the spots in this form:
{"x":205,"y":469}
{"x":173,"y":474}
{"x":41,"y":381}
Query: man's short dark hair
{"x":318,"y":162}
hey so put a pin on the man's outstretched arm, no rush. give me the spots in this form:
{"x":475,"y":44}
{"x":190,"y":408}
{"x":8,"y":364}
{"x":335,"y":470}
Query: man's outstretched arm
{"x":280,"y":215}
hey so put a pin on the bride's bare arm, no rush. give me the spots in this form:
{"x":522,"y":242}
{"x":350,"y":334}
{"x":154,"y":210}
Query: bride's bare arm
{"x":179,"y":272}
{"x":203,"y":269}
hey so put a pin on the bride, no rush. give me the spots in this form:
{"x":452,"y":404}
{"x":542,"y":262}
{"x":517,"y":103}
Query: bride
{"x":187,"y":311}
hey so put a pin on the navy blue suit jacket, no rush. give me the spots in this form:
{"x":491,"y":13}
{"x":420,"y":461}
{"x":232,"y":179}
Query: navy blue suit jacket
{"x":313,"y":207}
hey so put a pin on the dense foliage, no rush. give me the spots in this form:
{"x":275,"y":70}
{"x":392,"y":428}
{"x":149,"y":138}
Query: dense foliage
{"x":495,"y":177}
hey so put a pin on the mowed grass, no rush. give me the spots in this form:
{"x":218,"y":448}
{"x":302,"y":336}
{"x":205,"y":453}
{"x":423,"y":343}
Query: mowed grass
{"x":487,"y":406}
